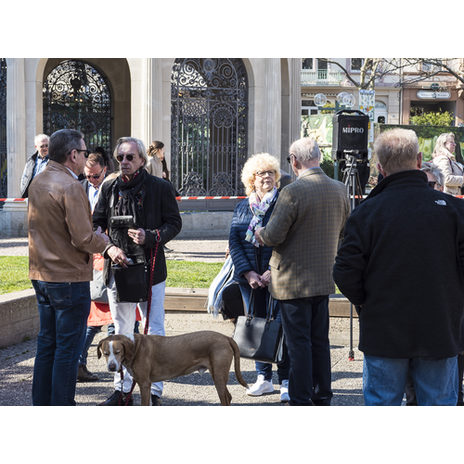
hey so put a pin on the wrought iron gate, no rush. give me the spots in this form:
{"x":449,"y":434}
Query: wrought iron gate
{"x":209,"y":125}
{"x":3,"y":153}
{"x":77,"y":96}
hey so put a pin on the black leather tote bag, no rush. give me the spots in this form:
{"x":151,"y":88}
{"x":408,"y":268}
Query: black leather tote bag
{"x":259,"y":338}
{"x":131,"y":282}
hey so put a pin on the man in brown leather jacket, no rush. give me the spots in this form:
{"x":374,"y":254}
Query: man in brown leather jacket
{"x":61,"y":243}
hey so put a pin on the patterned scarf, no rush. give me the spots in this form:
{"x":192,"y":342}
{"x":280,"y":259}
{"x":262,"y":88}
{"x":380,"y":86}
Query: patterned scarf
{"x":259,"y":209}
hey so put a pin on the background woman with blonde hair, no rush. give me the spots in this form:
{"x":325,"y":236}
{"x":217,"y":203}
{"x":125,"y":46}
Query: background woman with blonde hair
{"x":260,"y":176}
{"x":444,"y":159}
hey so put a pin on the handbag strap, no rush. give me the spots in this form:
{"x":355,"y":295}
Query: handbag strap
{"x":271,"y":307}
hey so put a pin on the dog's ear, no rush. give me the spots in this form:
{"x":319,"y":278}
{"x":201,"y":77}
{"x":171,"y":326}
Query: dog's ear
{"x":99,"y":351}
{"x":129,"y":350}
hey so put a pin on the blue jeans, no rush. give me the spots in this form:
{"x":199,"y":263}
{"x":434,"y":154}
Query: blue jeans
{"x":263,"y":368}
{"x":90,"y":333}
{"x":435,"y":381}
{"x":63,"y":311}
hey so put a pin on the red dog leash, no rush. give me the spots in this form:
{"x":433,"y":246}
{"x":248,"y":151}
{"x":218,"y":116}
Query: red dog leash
{"x":152,"y":270}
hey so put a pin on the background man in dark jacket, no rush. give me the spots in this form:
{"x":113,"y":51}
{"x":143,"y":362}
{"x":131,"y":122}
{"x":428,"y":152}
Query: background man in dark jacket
{"x":152,"y":204}
{"x":35,"y":164}
{"x":401,"y":263}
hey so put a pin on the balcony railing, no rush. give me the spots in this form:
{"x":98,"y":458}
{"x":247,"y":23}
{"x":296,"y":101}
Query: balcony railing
{"x":321,"y":77}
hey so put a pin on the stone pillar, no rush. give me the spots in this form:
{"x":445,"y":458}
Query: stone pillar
{"x":271,"y":118}
{"x":140,"y":71}
{"x":16,"y":123}
{"x":295,"y":98}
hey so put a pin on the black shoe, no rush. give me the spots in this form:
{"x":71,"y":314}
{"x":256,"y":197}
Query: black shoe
{"x":84,"y":375}
{"x":155,"y":400}
{"x":118,"y":399}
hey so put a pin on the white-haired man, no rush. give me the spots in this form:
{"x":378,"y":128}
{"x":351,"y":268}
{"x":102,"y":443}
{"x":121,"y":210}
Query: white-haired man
{"x":401,"y":263}
{"x":35,"y":164}
{"x":304,"y":230}
{"x":152,"y":204}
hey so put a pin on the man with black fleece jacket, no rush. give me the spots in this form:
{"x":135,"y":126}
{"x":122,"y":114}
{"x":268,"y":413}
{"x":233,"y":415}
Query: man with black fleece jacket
{"x":402,"y":264}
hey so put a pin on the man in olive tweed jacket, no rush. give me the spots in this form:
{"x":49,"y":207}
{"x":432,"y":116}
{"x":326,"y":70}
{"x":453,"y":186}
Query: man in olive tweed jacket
{"x":304,"y":230}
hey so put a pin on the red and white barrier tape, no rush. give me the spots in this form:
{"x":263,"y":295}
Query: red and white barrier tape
{"x":210,"y":198}
{"x":15,"y":200}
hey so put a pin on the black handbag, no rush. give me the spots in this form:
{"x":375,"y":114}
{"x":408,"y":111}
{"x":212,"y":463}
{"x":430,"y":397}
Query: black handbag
{"x":259,"y":338}
{"x":131,"y":282}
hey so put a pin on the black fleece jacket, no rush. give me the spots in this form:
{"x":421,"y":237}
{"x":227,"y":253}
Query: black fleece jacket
{"x":401,"y":263}
{"x":160,"y":211}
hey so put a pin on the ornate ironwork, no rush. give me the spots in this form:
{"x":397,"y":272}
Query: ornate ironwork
{"x":209,"y":125}
{"x":77,"y":96}
{"x":3,"y":148}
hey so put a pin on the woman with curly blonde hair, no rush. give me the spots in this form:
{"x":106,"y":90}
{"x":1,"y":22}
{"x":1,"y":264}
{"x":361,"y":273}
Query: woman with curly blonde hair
{"x":260,"y":176}
{"x":445,"y":161}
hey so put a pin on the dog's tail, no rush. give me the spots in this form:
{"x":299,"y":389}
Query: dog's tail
{"x":238,"y":373}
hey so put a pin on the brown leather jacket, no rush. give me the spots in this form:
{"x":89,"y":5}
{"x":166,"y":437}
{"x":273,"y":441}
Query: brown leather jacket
{"x":61,"y":238}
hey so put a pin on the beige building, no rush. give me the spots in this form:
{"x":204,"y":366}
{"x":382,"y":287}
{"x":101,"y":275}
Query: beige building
{"x":398,"y":93}
{"x":211,"y":114}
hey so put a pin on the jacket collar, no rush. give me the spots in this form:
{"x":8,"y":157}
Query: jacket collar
{"x":311,"y":171}
{"x":403,"y":178}
{"x":59,"y":167}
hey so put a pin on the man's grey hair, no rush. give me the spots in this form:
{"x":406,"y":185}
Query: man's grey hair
{"x":429,"y":167}
{"x":140,"y":147}
{"x":62,"y":142}
{"x":40,"y":137}
{"x":397,"y":150}
{"x":305,"y":149}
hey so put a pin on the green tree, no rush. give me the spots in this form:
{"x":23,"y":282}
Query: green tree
{"x":433,"y":119}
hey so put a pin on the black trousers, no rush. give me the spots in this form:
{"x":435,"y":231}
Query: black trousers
{"x":306,"y":327}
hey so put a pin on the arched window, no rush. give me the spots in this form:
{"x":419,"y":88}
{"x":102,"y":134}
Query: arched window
{"x":3,"y":154}
{"x":77,"y":96}
{"x":209,"y":117}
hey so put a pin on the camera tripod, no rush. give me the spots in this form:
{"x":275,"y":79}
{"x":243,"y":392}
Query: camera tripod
{"x":355,"y":195}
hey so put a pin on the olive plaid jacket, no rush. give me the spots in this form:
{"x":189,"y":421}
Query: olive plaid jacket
{"x":304,"y":229}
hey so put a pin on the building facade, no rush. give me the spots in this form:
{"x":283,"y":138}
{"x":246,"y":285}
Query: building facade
{"x":401,"y":90}
{"x":211,"y":113}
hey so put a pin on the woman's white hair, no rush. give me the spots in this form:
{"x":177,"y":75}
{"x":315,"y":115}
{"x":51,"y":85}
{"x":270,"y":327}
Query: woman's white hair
{"x":259,"y":162}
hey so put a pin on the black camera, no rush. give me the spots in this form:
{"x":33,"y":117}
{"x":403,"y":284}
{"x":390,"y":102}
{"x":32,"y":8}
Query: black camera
{"x":350,"y":134}
{"x":122,"y":222}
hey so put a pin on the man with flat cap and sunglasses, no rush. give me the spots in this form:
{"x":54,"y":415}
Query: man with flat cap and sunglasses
{"x":148,"y":206}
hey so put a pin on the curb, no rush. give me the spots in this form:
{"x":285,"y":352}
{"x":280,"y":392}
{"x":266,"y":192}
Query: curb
{"x":19,"y":319}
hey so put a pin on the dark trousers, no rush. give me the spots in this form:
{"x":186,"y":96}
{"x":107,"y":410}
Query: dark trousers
{"x":306,"y":327}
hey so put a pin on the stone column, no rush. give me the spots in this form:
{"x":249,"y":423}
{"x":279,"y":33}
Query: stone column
{"x":271,"y":118}
{"x":16,"y":123}
{"x":140,"y":71}
{"x":295,"y":98}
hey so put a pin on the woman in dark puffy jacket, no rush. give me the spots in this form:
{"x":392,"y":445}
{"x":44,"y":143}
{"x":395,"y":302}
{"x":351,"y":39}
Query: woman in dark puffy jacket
{"x":260,"y":176}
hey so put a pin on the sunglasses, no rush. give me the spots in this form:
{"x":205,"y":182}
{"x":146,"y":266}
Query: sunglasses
{"x":95,"y":176}
{"x":86,"y":152}
{"x":289,"y":158}
{"x":432,"y":184}
{"x":129,"y":157}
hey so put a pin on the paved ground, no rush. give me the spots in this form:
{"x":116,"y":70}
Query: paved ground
{"x":16,"y":362}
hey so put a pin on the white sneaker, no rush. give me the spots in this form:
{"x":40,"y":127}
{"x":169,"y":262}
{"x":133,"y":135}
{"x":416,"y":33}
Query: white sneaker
{"x":284,"y":398}
{"x":260,"y":387}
